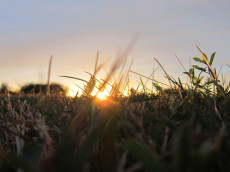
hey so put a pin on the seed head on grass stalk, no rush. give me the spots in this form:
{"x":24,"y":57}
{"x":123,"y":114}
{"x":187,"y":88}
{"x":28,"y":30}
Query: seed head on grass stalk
{"x":120,"y":61}
{"x":89,"y":86}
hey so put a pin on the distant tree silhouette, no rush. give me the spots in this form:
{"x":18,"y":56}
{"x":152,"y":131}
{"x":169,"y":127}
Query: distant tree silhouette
{"x":42,"y":88}
{"x":57,"y":89}
{"x":4,"y":89}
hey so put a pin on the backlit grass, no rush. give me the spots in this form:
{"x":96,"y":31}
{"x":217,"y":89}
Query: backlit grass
{"x":111,"y":127}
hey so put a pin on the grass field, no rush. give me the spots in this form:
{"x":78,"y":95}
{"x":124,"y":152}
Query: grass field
{"x":185,"y":127}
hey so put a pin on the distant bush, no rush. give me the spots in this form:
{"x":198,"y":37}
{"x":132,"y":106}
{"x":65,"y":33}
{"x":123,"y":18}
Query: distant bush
{"x":4,"y":89}
{"x":42,"y":89}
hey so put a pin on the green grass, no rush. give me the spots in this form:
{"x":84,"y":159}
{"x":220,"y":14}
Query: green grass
{"x":184,"y":128}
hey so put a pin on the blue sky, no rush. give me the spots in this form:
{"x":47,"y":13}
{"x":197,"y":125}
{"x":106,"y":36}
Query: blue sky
{"x":73,"y":31}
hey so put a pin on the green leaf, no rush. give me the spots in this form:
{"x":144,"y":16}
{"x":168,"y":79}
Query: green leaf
{"x":212,"y":58}
{"x":158,"y":88}
{"x":186,"y":73}
{"x":191,"y":71}
{"x":199,"y":68}
{"x":181,"y":86}
{"x":205,"y":56}
{"x":197,"y":59}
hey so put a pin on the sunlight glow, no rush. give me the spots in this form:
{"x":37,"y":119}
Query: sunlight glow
{"x":73,"y":91}
{"x":103,"y":95}
{"x":125,"y":93}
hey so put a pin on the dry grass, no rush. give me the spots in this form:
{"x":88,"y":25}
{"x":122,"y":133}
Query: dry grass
{"x":167,"y":131}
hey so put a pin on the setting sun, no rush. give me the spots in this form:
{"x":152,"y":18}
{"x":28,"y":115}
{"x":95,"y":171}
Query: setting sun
{"x":103,"y":95}
{"x":74,"y":91}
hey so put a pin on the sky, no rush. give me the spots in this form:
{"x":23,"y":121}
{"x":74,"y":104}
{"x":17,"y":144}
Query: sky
{"x":73,"y":31}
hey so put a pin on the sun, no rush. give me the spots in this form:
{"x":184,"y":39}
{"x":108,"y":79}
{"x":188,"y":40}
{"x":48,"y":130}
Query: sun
{"x":102,"y":95}
{"x":73,"y":91}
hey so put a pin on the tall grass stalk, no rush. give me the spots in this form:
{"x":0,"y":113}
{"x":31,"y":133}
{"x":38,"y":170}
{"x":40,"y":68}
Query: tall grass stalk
{"x":48,"y":76}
